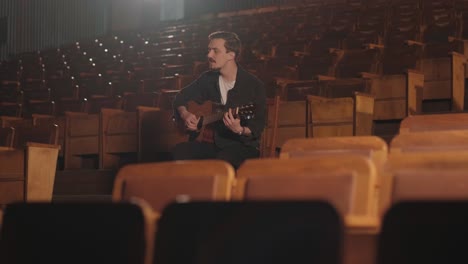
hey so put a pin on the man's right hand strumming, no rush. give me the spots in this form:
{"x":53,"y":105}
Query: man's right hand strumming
{"x":190,"y":120}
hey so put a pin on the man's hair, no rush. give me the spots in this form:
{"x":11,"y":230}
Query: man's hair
{"x":232,"y":41}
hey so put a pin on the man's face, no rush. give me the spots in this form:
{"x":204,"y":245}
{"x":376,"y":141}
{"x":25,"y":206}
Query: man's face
{"x":217,"y":54}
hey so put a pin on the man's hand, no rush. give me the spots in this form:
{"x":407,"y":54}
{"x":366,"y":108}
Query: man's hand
{"x":232,"y":123}
{"x":190,"y":120}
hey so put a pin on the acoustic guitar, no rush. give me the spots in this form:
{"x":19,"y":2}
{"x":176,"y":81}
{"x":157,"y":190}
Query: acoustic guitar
{"x":210,"y":112}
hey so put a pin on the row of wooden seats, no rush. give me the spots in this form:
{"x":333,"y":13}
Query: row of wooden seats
{"x":386,"y":183}
{"x":107,"y":134}
{"x":246,"y":232}
{"x":28,"y":162}
{"x":317,"y":117}
{"x":142,"y":180}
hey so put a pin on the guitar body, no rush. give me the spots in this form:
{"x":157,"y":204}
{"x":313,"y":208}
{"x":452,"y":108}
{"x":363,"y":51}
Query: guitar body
{"x":205,"y":133}
{"x":209,"y":113}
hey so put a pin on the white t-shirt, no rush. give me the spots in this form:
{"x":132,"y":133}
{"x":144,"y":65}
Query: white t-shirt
{"x":224,"y":87}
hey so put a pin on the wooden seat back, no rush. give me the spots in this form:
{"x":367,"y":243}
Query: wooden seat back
{"x":250,"y":232}
{"x":41,"y":133}
{"x":118,"y":136}
{"x":75,"y":230}
{"x":164,"y":182}
{"x":431,"y":141}
{"x":424,"y":176}
{"x":349,"y":183}
{"x":424,"y":232}
{"x":157,"y":134}
{"x":345,"y":116}
{"x":81,"y":138}
{"x":434,"y":122}
{"x":368,"y":146}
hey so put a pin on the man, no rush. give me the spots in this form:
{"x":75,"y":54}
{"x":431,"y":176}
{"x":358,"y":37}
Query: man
{"x":227,"y":83}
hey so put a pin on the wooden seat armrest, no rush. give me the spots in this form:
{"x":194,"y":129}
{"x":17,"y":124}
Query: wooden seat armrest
{"x":368,"y":75}
{"x":300,"y":53}
{"x":452,"y":39}
{"x":461,"y":56}
{"x":42,"y":116}
{"x":42,"y":145}
{"x":282,"y":82}
{"x":414,"y":71}
{"x":414,"y":42}
{"x":147,"y":108}
{"x":362,"y":224}
{"x":238,"y":189}
{"x":334,"y":50}
{"x":291,"y":68}
{"x":70,"y":113}
{"x":6,"y":82}
{"x":10,"y":118}
{"x":363,"y":94}
{"x":373,"y":46}
{"x":2,"y":148}
{"x":325,"y":78}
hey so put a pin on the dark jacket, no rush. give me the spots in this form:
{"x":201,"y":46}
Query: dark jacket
{"x":247,"y":89}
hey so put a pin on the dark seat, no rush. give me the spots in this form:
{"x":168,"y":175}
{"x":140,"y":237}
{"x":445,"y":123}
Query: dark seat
{"x":249,"y":232}
{"x":424,"y":232}
{"x":73,"y":233}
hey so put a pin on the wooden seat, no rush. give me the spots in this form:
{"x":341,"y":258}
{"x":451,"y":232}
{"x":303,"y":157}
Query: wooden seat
{"x":368,"y":146}
{"x":118,"y":137}
{"x":348,"y":181}
{"x":45,"y":133}
{"x":286,"y":119}
{"x":434,"y":122}
{"x":346,"y":116}
{"x":249,"y":232}
{"x":76,"y":233}
{"x":28,"y":173}
{"x":431,"y":141}
{"x":444,"y":79}
{"x":157,"y":134}
{"x":163,"y":182}
{"x":424,"y":176}
{"x":424,"y":232}
{"x":351,"y":187}
{"x":81,"y":139}
{"x":396,"y":95}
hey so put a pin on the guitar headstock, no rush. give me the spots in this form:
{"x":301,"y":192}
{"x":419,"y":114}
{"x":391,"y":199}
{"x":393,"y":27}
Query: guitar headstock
{"x":245,"y":112}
